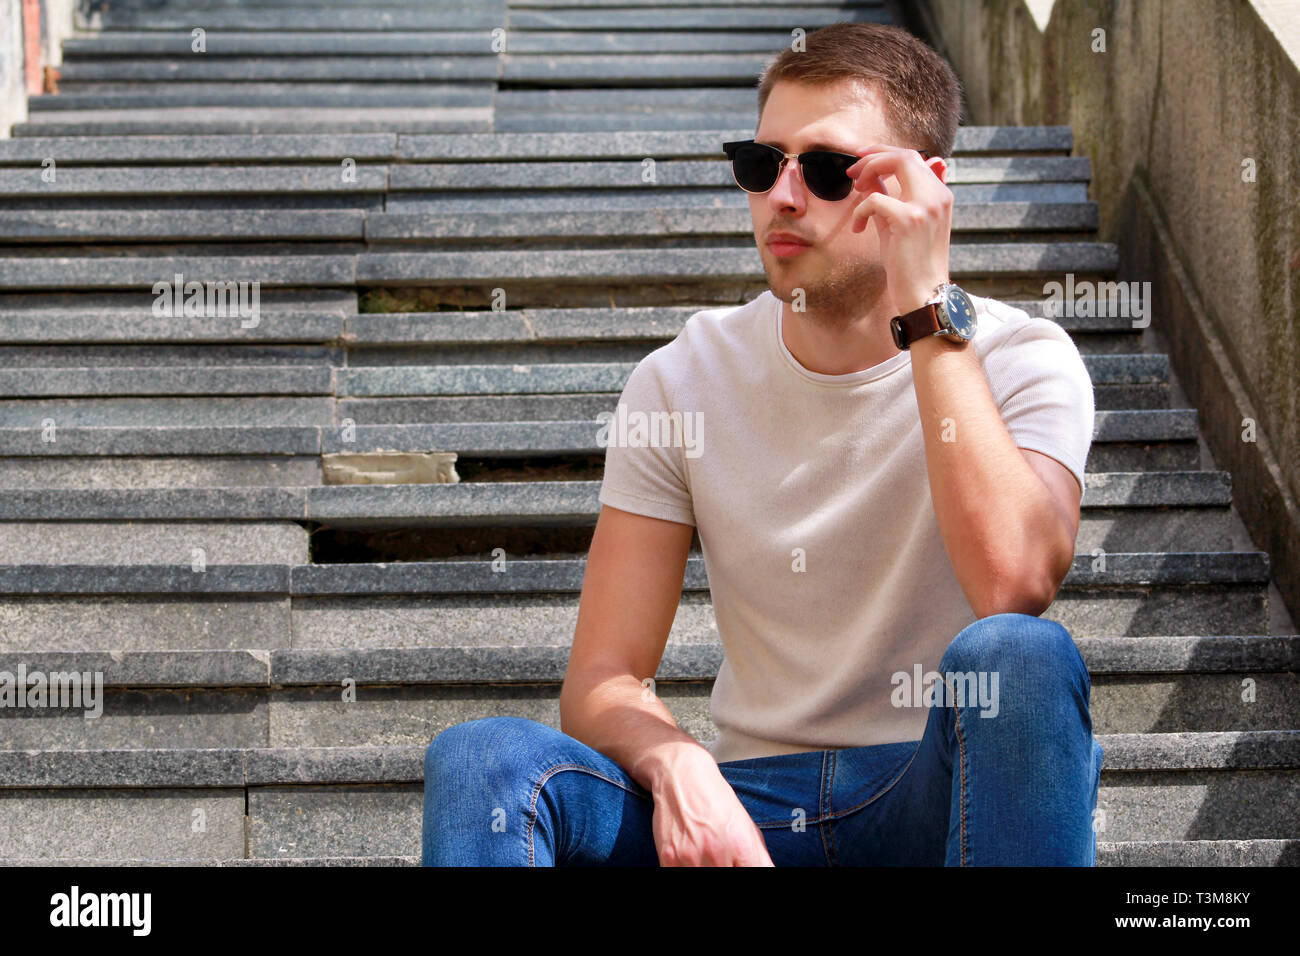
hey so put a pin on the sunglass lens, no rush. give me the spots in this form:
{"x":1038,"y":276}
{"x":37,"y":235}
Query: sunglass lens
{"x":755,"y":167}
{"x":825,"y":176}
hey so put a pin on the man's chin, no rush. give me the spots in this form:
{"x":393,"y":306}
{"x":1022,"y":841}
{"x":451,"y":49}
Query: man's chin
{"x":785,"y":290}
{"x":781,"y":280}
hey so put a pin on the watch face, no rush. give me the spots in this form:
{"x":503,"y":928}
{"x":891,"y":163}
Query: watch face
{"x":960,"y":310}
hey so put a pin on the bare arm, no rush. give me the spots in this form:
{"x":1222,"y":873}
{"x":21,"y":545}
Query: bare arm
{"x":1008,"y":516}
{"x":630,"y":594}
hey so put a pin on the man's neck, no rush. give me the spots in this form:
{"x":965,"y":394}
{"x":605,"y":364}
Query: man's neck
{"x":853,"y":346}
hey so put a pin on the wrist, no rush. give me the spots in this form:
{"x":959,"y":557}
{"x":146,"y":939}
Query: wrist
{"x":661,"y":763}
{"x":918,"y":295}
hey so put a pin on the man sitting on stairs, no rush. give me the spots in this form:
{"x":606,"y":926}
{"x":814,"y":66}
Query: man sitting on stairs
{"x":885,"y":478}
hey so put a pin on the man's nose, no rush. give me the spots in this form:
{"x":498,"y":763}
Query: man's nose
{"x":788,"y":190}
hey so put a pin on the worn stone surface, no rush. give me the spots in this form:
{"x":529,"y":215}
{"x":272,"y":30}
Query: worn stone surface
{"x":133,"y":719}
{"x":1200,"y":853}
{"x":143,"y":622}
{"x":122,"y":824}
{"x":59,"y":472}
{"x":288,"y":822}
{"x":1149,"y":704}
{"x":1199,"y":805}
{"x":521,"y":619}
{"x":130,"y":543}
{"x":390,"y":468}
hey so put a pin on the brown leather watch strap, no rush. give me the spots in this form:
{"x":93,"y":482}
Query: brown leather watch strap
{"x":919,"y":322}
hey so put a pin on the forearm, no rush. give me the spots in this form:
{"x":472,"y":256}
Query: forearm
{"x":1000,"y":526}
{"x":626,"y":721}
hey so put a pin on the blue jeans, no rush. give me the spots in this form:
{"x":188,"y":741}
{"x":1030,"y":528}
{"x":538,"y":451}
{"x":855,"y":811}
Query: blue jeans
{"x":1018,"y":787}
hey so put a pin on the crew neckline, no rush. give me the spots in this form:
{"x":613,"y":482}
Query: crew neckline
{"x":847,"y":379}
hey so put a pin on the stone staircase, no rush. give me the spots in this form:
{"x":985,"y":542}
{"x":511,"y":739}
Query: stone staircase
{"x":467,"y":251}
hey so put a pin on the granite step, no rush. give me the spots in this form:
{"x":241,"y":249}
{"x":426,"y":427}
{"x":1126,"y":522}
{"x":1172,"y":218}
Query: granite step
{"x":215,"y":120}
{"x":367,"y":801}
{"x":132,"y":543}
{"x":399,"y":43}
{"x":558,"y":503}
{"x":549,"y":378}
{"x":635,"y":196}
{"x":164,"y":355}
{"x":1133,"y":853}
{"x":1157,"y":853}
{"x":289,"y":697}
{"x":475,"y":439}
{"x":63,"y":319}
{"x":654,"y":325}
{"x":1167,"y":433}
{"x":64,"y":473}
{"x":45,"y":418}
{"x":154,"y":380}
{"x":714,"y":173}
{"x":584,"y":406}
{"x":236,"y":43}
{"x":198,"y":149}
{"x":348,"y":605}
{"x":188,"y":180}
{"x":463,"y":147}
{"x":586,"y":267}
{"x":556,"y":378}
{"x":476,"y":70}
{"x":151,"y":96}
{"x":377,"y":18}
{"x":322,"y":316}
{"x":121,"y":225}
{"x":469,"y":17}
{"x":686,"y":144}
{"x":63,"y":273}
{"x":95,"y":226}
{"x":701,"y":263}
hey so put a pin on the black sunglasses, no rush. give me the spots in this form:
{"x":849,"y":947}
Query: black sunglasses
{"x":757,"y":166}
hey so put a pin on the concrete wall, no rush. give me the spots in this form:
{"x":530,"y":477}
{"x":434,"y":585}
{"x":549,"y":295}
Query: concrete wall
{"x":13,"y":90}
{"x":1186,"y":92}
{"x":54,"y":19}
{"x":56,"y":23}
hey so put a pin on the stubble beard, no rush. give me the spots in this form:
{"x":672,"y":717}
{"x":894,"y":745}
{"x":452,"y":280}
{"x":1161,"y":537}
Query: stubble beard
{"x":835,"y":297}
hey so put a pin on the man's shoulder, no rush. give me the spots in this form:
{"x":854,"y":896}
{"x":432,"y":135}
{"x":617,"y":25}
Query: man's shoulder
{"x":710,"y":333}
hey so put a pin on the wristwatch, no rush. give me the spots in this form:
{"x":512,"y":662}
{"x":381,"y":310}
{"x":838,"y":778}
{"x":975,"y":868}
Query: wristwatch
{"x":949,"y":312}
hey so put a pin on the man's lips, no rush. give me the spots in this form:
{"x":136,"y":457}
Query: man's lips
{"x":785,"y":244}
{"x":787,"y":238}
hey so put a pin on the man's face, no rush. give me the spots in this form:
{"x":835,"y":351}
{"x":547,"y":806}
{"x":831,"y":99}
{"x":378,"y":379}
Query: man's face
{"x":840,"y":272}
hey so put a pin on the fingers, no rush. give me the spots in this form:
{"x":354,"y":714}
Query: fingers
{"x":879,"y":161}
{"x":891,"y":210}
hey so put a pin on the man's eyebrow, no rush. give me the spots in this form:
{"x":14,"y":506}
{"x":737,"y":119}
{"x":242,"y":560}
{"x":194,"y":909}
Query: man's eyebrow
{"x":817,"y":145}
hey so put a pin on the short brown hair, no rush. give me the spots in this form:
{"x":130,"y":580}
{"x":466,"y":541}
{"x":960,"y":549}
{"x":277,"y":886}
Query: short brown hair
{"x":920,"y":92}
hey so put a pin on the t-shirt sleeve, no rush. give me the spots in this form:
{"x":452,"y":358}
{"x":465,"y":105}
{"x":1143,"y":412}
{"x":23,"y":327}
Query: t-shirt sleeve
{"x":1044,"y":393}
{"x":649,"y":480}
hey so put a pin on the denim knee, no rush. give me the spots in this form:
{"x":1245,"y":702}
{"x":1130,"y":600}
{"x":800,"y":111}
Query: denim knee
{"x":1037,"y":644}
{"x":476,"y":742}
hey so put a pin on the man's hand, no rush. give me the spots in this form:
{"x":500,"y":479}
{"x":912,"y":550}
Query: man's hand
{"x":914,"y":227}
{"x":698,"y":819}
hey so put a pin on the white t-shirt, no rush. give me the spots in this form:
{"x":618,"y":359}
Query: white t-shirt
{"x":787,"y":469}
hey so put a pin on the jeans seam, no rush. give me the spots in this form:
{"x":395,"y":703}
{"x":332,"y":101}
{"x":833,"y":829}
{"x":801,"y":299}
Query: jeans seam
{"x":537,"y":790}
{"x":962,"y":772}
{"x":883,"y":790}
{"x":824,"y":809}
